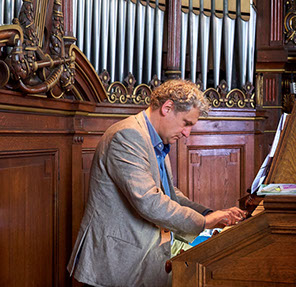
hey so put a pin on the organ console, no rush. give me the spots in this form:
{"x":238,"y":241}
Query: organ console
{"x":260,"y":251}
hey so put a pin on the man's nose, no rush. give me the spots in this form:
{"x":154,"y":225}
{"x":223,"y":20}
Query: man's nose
{"x":186,"y":131}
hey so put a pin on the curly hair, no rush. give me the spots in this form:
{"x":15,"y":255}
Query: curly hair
{"x":184,"y":94}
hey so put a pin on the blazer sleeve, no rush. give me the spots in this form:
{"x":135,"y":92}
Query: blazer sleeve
{"x":129,"y":166}
{"x":185,"y":201}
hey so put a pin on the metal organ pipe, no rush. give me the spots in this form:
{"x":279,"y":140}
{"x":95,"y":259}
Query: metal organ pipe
{"x":96,"y":33}
{"x":112,"y":38}
{"x":204,"y":44}
{"x":184,"y":29}
{"x":80,"y":24}
{"x":130,"y":37}
{"x":149,"y":36}
{"x":75,"y":8}
{"x":122,"y":6}
{"x":140,"y":32}
{"x":17,"y":7}
{"x":243,"y":26}
{"x":2,"y":12}
{"x":104,"y":34}
{"x":9,"y":11}
{"x":159,"y":24}
{"x":228,"y":34}
{"x":193,"y":40}
{"x":217,"y":24}
{"x":88,"y":28}
{"x":251,"y":42}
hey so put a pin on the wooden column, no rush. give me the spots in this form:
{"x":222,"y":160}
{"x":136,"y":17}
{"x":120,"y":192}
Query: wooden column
{"x":68,"y":17}
{"x":173,"y":10}
{"x":68,"y":22}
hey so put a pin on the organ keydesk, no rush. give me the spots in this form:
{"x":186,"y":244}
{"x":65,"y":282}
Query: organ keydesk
{"x":259,"y":251}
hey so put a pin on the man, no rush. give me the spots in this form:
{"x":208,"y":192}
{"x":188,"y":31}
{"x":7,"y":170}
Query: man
{"x":132,"y":204}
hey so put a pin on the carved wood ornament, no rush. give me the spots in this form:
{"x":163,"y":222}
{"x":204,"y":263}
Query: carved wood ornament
{"x":290,"y":21}
{"x":25,"y":66}
{"x":236,"y":98}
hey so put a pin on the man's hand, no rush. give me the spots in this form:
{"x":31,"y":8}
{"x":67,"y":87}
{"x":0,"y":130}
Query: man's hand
{"x":221,"y":218}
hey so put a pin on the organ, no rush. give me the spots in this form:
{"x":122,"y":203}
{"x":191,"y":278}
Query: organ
{"x":260,"y":251}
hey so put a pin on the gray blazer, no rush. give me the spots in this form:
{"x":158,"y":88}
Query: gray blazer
{"x":120,"y":242}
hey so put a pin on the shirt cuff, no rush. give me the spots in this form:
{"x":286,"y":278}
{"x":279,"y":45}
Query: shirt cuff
{"x":207,"y":211}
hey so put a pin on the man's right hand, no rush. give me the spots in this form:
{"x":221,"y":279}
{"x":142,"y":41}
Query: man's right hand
{"x":224,"y":217}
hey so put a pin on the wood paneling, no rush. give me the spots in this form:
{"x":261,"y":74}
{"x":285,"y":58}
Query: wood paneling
{"x":271,"y":53}
{"x":29,"y":227}
{"x":218,"y":162}
{"x":46,"y":152}
{"x":214,"y":174}
{"x":276,"y":22}
{"x":218,"y":171}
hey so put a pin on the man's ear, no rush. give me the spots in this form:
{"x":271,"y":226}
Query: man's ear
{"x":167,"y":107}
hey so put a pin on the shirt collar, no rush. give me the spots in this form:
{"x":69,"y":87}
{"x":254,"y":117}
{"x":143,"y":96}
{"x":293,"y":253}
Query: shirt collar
{"x":155,"y":138}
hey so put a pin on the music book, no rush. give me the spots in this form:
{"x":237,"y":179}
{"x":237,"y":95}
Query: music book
{"x":277,"y":189}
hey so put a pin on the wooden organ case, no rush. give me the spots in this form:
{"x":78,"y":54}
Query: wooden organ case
{"x":259,"y":251}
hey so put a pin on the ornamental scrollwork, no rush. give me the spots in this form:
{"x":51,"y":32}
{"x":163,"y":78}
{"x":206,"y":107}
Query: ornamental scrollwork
{"x":235,"y":98}
{"x":290,"y":21}
{"x":25,"y":66}
{"x":127,"y":92}
{"x":288,"y":101}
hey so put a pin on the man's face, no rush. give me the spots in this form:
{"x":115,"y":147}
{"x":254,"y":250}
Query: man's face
{"x":176,"y":125}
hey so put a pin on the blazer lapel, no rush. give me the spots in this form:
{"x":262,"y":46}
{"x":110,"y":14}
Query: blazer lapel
{"x":152,"y":157}
{"x":142,"y":123}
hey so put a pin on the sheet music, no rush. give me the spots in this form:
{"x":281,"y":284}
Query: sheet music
{"x":262,"y":173}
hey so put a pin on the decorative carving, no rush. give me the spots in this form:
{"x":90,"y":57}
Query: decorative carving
{"x":288,"y":102}
{"x":233,"y":99}
{"x":155,"y":82}
{"x":130,"y":82}
{"x":223,"y":88}
{"x":288,"y":97}
{"x":259,"y":90}
{"x":27,"y":67}
{"x":199,"y":84}
{"x":290,"y":21}
{"x":105,"y":78}
{"x":78,"y":140}
{"x":56,"y":38}
{"x":117,"y":92}
{"x":57,"y":48}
